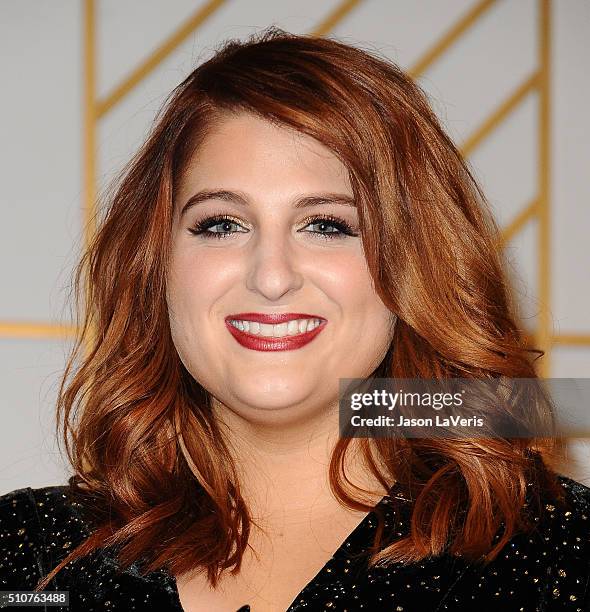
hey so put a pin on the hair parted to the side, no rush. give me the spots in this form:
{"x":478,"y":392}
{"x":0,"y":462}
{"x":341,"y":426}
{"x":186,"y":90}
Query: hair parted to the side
{"x":148,"y":457}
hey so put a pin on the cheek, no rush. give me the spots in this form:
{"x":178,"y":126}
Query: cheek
{"x":197,"y":279}
{"x":352,"y":285}
{"x":187,"y":302}
{"x":189,"y":309}
{"x":367,"y":321}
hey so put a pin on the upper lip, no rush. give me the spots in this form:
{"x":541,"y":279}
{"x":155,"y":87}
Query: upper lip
{"x":271,"y":318}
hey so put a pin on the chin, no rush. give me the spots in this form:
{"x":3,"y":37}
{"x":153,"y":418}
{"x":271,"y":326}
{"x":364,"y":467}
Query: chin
{"x":272,"y":394}
{"x":275,"y":391}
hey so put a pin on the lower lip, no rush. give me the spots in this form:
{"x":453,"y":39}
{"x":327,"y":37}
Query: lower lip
{"x":264,"y":343}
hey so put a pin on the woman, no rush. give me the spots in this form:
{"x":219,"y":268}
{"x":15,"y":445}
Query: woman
{"x":296,"y":217}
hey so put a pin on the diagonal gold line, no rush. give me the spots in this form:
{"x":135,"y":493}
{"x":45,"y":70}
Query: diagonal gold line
{"x":500,"y":114}
{"x":36,"y":330}
{"x":519,"y":222}
{"x":334,"y":18}
{"x":449,"y":38}
{"x":572,"y":339}
{"x":157,"y":56}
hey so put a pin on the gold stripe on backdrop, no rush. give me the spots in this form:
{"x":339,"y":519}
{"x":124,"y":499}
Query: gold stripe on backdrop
{"x":544,"y":332}
{"x":89,"y":138}
{"x":499,"y":115}
{"x":89,"y":144}
{"x":450,"y":37}
{"x":335,"y":17}
{"x":519,"y":221}
{"x":572,"y":339}
{"x":21,"y":329}
{"x":146,"y":67}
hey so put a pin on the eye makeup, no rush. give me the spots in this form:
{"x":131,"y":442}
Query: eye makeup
{"x":203,"y":227}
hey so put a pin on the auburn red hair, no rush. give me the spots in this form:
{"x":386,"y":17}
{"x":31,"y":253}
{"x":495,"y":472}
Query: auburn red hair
{"x":147,"y":455}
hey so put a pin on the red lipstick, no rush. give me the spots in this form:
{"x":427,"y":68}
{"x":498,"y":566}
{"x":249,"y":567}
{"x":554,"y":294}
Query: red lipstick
{"x":266,"y":343}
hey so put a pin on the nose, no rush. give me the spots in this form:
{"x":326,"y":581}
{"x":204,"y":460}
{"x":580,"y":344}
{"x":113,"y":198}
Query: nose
{"x":273,"y":267}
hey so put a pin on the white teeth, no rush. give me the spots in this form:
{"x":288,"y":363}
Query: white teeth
{"x":266,"y":330}
{"x":280,"y":330}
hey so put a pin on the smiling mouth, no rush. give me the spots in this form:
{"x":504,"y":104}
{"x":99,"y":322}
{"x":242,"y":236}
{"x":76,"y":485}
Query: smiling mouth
{"x":295,"y":327}
{"x":274,"y":332}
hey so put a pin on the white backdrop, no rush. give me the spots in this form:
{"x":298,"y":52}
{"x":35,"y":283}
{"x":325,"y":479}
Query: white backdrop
{"x":43,"y":72}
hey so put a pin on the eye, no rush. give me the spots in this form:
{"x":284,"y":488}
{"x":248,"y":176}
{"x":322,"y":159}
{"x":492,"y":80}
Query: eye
{"x":220,"y":224}
{"x":330,"y":227}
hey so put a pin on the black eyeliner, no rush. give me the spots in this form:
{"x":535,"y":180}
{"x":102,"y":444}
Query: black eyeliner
{"x":343,"y":227}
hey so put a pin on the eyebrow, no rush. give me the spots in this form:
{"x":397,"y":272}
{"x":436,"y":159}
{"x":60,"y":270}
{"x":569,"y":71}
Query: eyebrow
{"x":238,"y":198}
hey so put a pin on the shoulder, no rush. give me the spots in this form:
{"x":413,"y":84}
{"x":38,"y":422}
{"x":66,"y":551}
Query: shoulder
{"x":549,"y":565}
{"x":570,"y":519}
{"x":567,"y":521}
{"x":37,"y":528}
{"x":40,"y":527}
{"x":34,"y":507}
{"x":577,"y":493}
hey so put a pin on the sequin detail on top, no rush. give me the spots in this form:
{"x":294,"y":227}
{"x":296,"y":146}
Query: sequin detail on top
{"x":548,"y":570}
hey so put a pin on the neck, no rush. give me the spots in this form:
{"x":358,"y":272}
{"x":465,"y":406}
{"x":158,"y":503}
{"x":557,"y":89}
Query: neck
{"x":284,"y":470}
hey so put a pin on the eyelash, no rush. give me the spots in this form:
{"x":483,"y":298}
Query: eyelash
{"x":344,"y":228}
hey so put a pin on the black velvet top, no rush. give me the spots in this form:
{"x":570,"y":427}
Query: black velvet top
{"x":546,"y":570}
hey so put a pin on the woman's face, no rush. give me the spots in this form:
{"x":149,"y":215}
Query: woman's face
{"x":281,"y":247}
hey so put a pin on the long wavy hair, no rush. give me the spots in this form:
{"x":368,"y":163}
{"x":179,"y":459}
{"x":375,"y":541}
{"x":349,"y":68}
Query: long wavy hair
{"x":148,"y":457}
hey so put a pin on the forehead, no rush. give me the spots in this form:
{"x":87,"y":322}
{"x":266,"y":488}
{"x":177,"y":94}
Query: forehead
{"x":245,"y":151}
